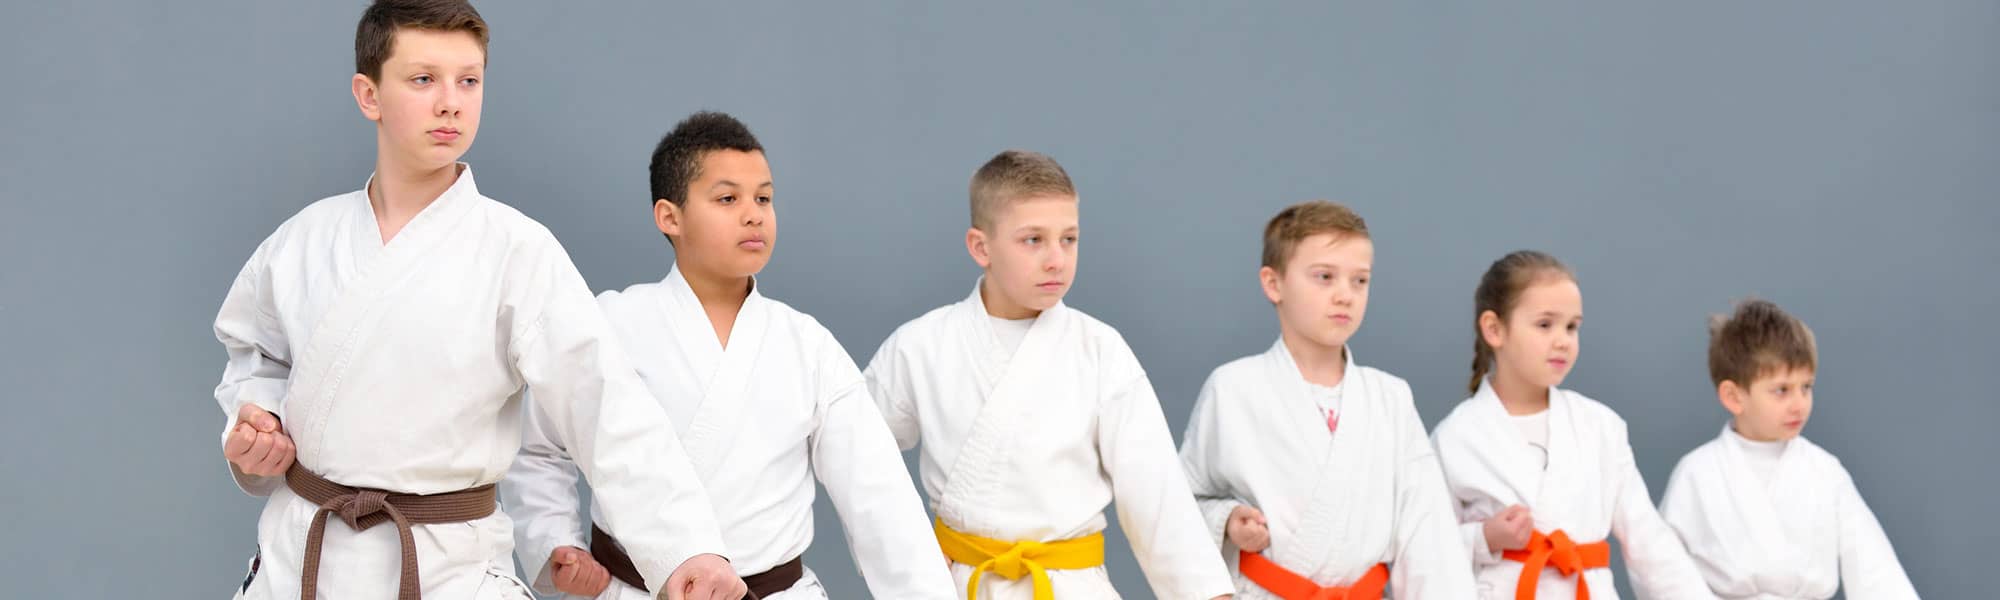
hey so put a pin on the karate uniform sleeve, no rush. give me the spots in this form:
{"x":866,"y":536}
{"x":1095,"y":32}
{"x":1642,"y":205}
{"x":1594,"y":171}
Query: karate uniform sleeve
{"x":1658,"y":564}
{"x":856,"y":458}
{"x":1474,"y":536}
{"x":260,"y":363}
{"x":1200,"y":453}
{"x":1429,"y":553}
{"x":1676,"y":504}
{"x":1155,"y":507}
{"x":1681,"y":508}
{"x":540,"y":496}
{"x":1868,"y":565}
{"x":596,"y":407}
{"x":889,"y":386}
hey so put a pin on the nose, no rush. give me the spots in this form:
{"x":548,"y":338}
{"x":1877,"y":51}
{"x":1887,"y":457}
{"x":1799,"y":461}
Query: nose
{"x":1052,"y":261}
{"x":1343,"y":295}
{"x":449,"y":101}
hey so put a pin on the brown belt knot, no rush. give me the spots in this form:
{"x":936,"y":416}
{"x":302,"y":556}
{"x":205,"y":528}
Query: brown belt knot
{"x":363,"y":508}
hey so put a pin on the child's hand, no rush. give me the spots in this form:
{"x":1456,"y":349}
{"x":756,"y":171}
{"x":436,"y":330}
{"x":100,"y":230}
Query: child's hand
{"x":1510,"y":530}
{"x":1247,"y":529}
{"x":704,"y":577}
{"x":258,"y":445}
{"x":576,"y":573}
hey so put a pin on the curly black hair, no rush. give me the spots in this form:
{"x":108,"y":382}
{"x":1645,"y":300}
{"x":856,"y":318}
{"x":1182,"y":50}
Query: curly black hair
{"x":677,"y":160}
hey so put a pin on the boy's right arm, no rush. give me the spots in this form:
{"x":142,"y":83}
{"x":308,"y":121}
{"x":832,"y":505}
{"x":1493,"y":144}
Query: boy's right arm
{"x":260,"y":363}
{"x":889,"y":384}
{"x":1201,"y":457}
{"x":1471,"y":529}
{"x":540,"y":496}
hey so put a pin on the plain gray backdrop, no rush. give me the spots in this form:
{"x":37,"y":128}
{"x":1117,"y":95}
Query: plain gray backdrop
{"x":1841,"y":158}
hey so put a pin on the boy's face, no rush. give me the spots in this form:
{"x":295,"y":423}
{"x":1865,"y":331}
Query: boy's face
{"x":1538,"y":342}
{"x":1030,"y":254}
{"x":1775,"y":405}
{"x":729,"y":223}
{"x":426,"y":107}
{"x":1323,"y":292}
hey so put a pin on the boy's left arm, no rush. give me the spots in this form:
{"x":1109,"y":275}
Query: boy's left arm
{"x":593,"y":404}
{"x":1868,"y":565}
{"x":1155,"y":507}
{"x":1430,"y":554}
{"x":1659,"y":564}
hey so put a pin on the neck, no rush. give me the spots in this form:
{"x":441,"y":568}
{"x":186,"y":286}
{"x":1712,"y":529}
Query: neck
{"x":1738,"y":428}
{"x":1318,"y":363}
{"x":398,"y":193}
{"x":999,"y":306}
{"x":1518,"y":396}
{"x":714,"y":291}
{"x":721,"y":298}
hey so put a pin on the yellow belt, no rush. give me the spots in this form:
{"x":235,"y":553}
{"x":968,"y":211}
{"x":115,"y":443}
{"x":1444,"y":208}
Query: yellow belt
{"x":1012,"y":560}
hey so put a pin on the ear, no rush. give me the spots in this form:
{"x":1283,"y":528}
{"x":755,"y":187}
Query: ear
{"x":975,"y":245}
{"x":1269,"y":277}
{"x":367,"y":97}
{"x":1492,"y":330}
{"x":1731,"y":396}
{"x":667,"y":217}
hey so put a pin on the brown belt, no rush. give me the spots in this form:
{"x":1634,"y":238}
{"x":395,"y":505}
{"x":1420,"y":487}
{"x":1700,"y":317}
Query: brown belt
{"x":363,"y":508}
{"x":608,"y":553}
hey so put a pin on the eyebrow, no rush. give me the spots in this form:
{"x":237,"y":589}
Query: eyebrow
{"x":728,"y":183}
{"x":431,"y":67}
{"x":1337,"y":267}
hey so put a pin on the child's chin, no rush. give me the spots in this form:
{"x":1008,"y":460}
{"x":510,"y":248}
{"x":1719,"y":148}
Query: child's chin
{"x":1039,"y":300}
{"x":438,"y":157}
{"x":1331,"y":339}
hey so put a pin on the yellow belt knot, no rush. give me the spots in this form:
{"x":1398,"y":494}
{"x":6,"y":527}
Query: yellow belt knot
{"x":1013,"y":560}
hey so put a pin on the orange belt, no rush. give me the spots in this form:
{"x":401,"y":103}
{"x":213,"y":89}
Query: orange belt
{"x":1556,"y":550}
{"x":1293,"y":586}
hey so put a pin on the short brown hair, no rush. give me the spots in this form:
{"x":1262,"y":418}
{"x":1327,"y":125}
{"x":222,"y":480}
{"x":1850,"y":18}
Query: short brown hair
{"x":1303,"y":220}
{"x":1015,"y":175}
{"x":376,"y":34}
{"x":1756,"y":340}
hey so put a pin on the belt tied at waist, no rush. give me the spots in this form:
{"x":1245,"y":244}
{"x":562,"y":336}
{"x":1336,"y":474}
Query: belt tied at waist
{"x":362,"y":508}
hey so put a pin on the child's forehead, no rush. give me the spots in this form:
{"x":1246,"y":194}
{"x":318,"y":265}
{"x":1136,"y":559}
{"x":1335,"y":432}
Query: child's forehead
{"x":1557,"y":295}
{"x":1038,"y":211}
{"x":1331,"y":244}
{"x":1782,"y":373}
{"x":1341,"y":255}
{"x":731,"y":158}
{"x":736,"y":168}
{"x":435,"y":48}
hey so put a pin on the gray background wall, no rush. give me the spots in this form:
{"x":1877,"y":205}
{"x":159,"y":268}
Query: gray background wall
{"x":1837,"y":157}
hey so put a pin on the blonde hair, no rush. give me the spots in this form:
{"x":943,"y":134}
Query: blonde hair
{"x":1011,"y":176}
